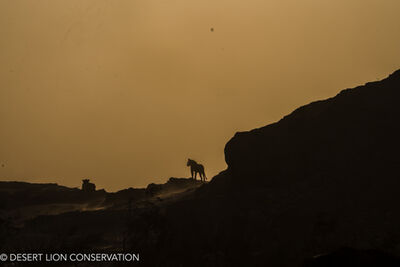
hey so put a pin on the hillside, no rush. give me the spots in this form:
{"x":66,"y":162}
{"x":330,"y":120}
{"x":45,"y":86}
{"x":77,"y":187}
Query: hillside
{"x":48,"y":217}
{"x":323,"y":178}
{"x":337,"y":135}
{"x":320,"y":187}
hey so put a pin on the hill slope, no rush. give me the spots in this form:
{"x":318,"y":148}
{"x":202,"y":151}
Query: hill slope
{"x":322,"y":178}
{"x":340,"y":134}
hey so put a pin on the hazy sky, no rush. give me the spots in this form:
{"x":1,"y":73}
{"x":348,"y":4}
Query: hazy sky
{"x":124,"y":91}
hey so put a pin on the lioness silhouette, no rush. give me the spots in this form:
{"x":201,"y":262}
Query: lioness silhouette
{"x":87,"y":186}
{"x":195,"y":169}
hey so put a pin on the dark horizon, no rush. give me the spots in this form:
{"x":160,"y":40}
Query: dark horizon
{"x":164,"y":179}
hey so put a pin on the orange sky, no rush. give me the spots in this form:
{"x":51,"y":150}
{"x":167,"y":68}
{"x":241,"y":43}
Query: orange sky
{"x":123,"y":91}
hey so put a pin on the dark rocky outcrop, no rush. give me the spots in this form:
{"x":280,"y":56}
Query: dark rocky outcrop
{"x":20,"y":194}
{"x":336,"y":136}
{"x":49,"y":217}
{"x":322,"y":178}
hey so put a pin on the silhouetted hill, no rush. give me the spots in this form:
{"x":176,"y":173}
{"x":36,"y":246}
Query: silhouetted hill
{"x":318,"y":188}
{"x":21,"y":201}
{"x":16,"y":195}
{"x":322,"y":178}
{"x":49,"y":217}
{"x":336,"y":136}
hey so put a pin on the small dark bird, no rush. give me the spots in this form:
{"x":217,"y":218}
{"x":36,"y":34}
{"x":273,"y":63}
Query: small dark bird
{"x":212,"y":29}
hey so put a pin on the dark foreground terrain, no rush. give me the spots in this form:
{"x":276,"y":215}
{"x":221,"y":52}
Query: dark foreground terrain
{"x":48,"y":218}
{"x":318,"y":188}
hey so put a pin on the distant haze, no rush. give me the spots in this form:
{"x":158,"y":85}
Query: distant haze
{"x":124,"y":91}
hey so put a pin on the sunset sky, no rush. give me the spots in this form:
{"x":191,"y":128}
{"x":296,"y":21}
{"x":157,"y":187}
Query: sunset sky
{"x":124,"y":91}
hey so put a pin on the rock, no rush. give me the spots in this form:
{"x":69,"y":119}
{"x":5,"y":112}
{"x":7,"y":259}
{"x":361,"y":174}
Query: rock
{"x":322,"y":178}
